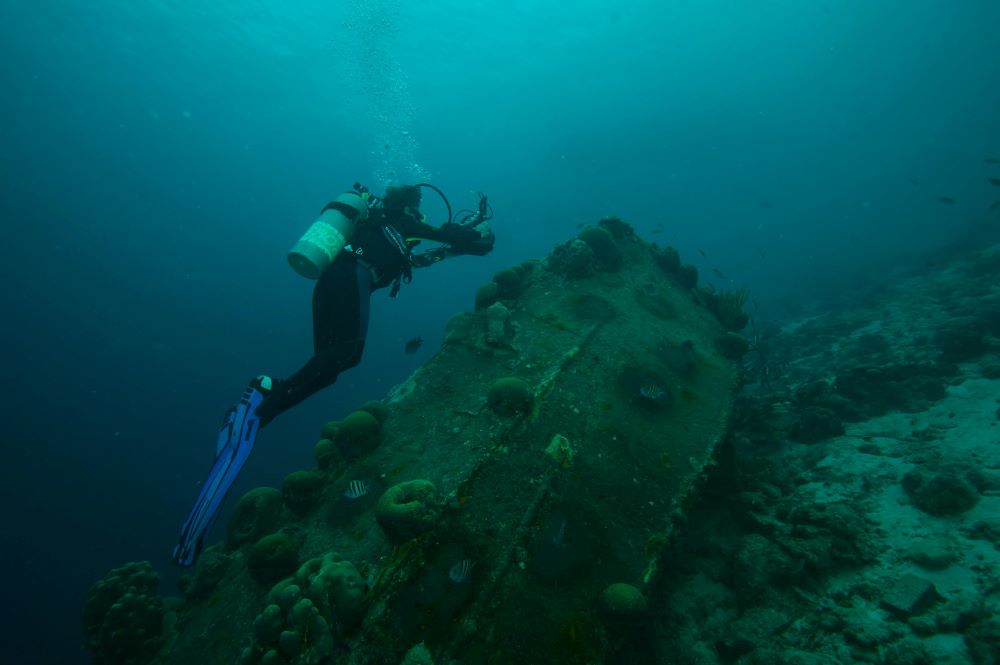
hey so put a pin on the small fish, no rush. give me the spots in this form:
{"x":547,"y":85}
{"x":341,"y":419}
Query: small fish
{"x":652,"y":392}
{"x":461,"y":572}
{"x":718,"y":273}
{"x":913,"y":181}
{"x":991,"y":160}
{"x":356,"y":489}
{"x":702,"y":252}
{"x":761,"y":252}
{"x":657,"y":230}
{"x":996,"y":204}
{"x":766,"y":205}
{"x":946,"y":199}
{"x":412,"y":345}
{"x":994,"y":181}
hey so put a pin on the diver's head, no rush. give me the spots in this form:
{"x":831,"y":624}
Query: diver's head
{"x":400,"y":197}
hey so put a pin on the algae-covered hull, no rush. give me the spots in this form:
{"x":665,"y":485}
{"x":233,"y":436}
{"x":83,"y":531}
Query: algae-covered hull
{"x":507,"y":503}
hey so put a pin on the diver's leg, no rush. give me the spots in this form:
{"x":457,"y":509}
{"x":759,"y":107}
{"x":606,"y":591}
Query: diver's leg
{"x":340,"y":324}
{"x":340,"y":311}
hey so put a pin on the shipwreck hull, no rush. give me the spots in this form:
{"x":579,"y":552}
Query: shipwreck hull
{"x":548,"y":489}
{"x":549,"y":533}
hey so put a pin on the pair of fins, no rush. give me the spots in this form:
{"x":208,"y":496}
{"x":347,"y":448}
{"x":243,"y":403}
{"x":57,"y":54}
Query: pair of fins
{"x":233,"y":446}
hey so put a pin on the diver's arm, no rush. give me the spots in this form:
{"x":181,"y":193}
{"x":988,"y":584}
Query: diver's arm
{"x":413,"y":227}
{"x":463,"y":239}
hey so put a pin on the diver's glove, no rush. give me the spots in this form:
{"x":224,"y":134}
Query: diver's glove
{"x":477,"y":240}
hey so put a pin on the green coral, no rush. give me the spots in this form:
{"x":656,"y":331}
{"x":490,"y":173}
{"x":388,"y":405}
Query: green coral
{"x":256,"y":514}
{"x":267,"y":626}
{"x":123,"y":616}
{"x":407,"y":509}
{"x":605,"y":249}
{"x":273,"y":557}
{"x":669,"y":259}
{"x":623,"y":601}
{"x":325,"y":454}
{"x":509,"y":281}
{"x":378,"y":409}
{"x":511,"y":396}
{"x":496,"y":323}
{"x":486,"y":295}
{"x":687,"y":276}
{"x":357,"y":435}
{"x":303,"y":611}
{"x":572,"y":259}
{"x":561,"y":451}
{"x":302,"y":490}
{"x":289,"y":631}
{"x":617,"y":227}
{"x":335,"y":587}
{"x":418,"y":654}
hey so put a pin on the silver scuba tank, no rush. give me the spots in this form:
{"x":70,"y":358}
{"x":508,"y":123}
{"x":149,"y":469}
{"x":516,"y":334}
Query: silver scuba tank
{"x":328,"y":235}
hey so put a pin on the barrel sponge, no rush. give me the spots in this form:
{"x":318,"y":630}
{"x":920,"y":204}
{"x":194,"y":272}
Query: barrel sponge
{"x":604,"y":246}
{"x":302,"y":490}
{"x":335,"y":588}
{"x":123,"y":616}
{"x":496,"y":322}
{"x":486,"y":295}
{"x":510,"y":396}
{"x":256,"y":514}
{"x":378,"y":409}
{"x":509,"y":281}
{"x":407,"y":509}
{"x":273,"y":558}
{"x":623,"y":600}
{"x":325,"y":454}
{"x":357,"y":434}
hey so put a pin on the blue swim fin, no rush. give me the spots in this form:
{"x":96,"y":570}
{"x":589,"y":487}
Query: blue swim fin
{"x":236,"y":438}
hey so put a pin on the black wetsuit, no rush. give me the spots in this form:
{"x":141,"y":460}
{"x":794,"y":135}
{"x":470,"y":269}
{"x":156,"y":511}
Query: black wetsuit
{"x":340,"y":303}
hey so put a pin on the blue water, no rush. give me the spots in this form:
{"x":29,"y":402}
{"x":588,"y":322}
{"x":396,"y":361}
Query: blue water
{"x":159,"y":158}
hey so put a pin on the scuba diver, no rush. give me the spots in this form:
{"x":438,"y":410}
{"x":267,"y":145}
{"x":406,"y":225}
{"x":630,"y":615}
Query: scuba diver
{"x":361,"y":243}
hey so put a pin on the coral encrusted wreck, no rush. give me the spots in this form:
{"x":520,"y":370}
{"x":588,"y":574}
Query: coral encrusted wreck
{"x":508,"y":503}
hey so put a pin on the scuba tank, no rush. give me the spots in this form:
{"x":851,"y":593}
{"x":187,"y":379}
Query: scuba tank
{"x":328,"y":235}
